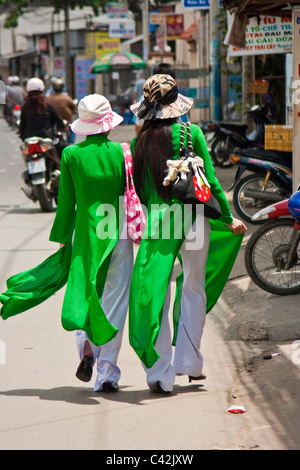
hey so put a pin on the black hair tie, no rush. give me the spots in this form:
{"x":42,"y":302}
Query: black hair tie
{"x":154,"y":105}
{"x":169,"y":98}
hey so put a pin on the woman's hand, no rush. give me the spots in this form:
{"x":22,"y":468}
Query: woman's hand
{"x":61,"y":245}
{"x":237,"y":226}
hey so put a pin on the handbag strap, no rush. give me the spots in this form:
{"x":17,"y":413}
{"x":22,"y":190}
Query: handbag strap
{"x":186,"y":127}
{"x":189,"y":135}
{"x":182,"y":132}
{"x":128,"y":165}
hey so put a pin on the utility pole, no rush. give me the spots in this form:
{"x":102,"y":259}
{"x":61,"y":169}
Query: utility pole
{"x":215,"y":77}
{"x":296,"y":104}
{"x":146,"y":41}
{"x":248,"y":76}
{"x":67,"y":44}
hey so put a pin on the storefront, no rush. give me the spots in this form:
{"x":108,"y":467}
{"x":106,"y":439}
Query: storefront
{"x":243,"y":10}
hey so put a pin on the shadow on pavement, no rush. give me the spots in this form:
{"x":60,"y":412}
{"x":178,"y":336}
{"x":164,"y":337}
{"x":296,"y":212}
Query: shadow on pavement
{"x":86,"y":396}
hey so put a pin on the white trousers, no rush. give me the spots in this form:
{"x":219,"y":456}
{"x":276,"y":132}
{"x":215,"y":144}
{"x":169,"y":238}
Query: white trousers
{"x":187,"y":357}
{"x":115,"y":304}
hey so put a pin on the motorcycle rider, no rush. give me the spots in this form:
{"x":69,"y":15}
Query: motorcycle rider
{"x":63,"y":104}
{"x":38,"y":117}
{"x":15,"y":95}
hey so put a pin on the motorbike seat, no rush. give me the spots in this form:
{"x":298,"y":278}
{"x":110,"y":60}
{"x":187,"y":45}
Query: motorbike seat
{"x":276,"y":156}
{"x":240,"y":128}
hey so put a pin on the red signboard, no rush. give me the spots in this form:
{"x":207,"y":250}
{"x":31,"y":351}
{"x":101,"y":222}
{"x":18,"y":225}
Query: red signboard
{"x":175,"y":26}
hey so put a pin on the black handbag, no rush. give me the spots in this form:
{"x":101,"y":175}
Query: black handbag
{"x":191,"y":186}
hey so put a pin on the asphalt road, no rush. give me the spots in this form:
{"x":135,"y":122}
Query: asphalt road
{"x":44,"y":407}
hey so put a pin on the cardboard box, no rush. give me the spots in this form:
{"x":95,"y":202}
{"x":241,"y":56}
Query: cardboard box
{"x":279,"y":138}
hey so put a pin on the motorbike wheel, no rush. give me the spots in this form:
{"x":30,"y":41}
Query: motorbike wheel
{"x":221,"y":149}
{"x":44,"y":197}
{"x":247,"y":206}
{"x":266,"y":251}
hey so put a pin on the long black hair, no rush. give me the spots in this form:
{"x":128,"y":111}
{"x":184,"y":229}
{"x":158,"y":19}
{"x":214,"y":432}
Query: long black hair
{"x":36,"y":101}
{"x":154,"y":146}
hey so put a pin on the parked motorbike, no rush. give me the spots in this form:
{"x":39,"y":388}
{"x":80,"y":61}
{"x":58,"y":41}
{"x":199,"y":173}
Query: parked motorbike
{"x":43,"y":171}
{"x":209,"y":129}
{"x":272,"y":255}
{"x":270,"y":180}
{"x":229,"y":136}
{"x":211,"y":132}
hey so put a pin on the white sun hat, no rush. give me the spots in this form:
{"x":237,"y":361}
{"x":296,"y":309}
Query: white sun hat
{"x":95,"y":116}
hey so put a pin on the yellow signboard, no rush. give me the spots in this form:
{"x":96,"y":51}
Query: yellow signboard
{"x":279,"y":138}
{"x":90,"y":45}
{"x":99,"y":43}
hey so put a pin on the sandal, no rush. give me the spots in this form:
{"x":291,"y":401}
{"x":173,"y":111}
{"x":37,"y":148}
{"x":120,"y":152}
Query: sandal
{"x":200,"y":377}
{"x":108,"y":387}
{"x":158,"y":389}
{"x":85,"y":369}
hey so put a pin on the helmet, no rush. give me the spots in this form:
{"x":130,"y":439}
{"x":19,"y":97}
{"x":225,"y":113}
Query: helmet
{"x":16,"y":79}
{"x":58,"y":84}
{"x":294,"y":205}
{"x":53,"y":80}
{"x":35,"y":84}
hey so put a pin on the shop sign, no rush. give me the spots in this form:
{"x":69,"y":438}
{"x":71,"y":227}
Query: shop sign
{"x":122,"y":29}
{"x":175,"y":26}
{"x":99,"y":43}
{"x":43,"y":44}
{"x":116,"y":10}
{"x":198,"y":4}
{"x":266,"y":35}
{"x":157,"y":18}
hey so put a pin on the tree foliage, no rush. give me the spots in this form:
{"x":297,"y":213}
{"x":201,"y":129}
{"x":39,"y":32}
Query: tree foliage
{"x":15,"y":8}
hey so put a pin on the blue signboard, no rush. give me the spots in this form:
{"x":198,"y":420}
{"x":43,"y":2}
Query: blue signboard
{"x":197,"y":4}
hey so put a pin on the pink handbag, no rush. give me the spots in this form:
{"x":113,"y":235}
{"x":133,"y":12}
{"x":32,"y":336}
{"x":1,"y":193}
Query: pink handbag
{"x":135,"y":218}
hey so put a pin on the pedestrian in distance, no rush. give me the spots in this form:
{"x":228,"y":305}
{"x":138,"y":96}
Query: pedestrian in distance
{"x":64,"y":105}
{"x":205,"y":266}
{"x":138,"y":87}
{"x":15,"y":95}
{"x":95,"y":264}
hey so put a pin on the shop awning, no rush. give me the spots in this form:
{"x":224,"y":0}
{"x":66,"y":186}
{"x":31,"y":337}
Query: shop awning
{"x":16,"y":55}
{"x":191,"y":33}
{"x":259,"y":7}
{"x":5,"y":59}
{"x":242,"y":9}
